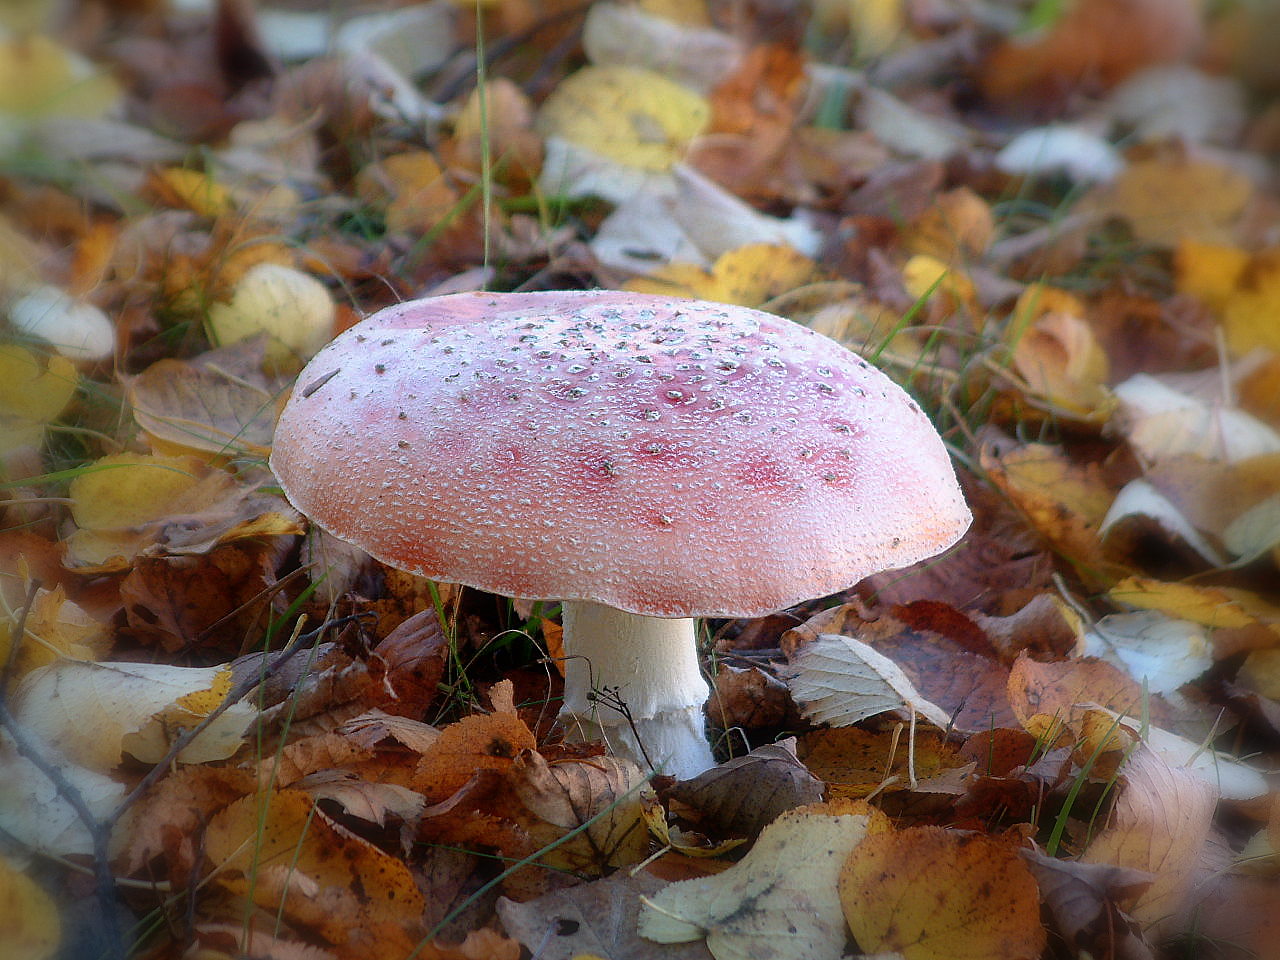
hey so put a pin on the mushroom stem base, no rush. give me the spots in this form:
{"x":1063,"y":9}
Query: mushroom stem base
{"x":633,"y":680}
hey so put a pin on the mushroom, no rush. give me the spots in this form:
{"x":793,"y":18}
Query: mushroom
{"x":648,"y":460}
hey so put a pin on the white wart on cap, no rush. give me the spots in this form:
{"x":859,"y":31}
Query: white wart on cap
{"x":664,"y":457}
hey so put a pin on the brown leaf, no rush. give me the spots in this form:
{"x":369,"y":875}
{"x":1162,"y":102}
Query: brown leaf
{"x":1082,"y":897}
{"x":220,"y":403}
{"x":740,"y":796}
{"x":854,"y":763}
{"x":562,"y":797}
{"x":1094,"y":43}
{"x":490,"y":742}
{"x":215,"y":599}
{"x":750,"y":698}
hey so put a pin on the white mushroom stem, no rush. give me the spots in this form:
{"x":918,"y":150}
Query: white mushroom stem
{"x":650,"y":665}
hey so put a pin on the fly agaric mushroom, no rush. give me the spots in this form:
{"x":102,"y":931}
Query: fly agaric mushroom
{"x":647,"y":460}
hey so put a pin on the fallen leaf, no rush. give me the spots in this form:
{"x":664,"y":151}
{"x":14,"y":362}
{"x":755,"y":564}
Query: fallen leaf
{"x":1167,"y":200}
{"x":56,"y":628}
{"x":1161,"y":421}
{"x":596,"y":919}
{"x":1065,"y":503}
{"x":1158,"y":651}
{"x":841,"y":681}
{"x":94,"y":712}
{"x":926,"y":893}
{"x":740,"y":796}
{"x":1092,"y":42}
{"x":1083,"y":899}
{"x":482,"y":742}
{"x":32,"y":394}
{"x":36,"y":813}
{"x":281,"y":850}
{"x":855,"y":763}
{"x":631,"y":117}
{"x":219,"y":403}
{"x":749,"y":276}
{"x":29,"y":925}
{"x":780,"y":898}
{"x":1158,"y":824}
{"x":602,"y":794}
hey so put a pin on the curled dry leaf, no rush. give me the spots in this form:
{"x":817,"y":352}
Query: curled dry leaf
{"x":740,"y":796}
{"x":55,"y":628}
{"x":603,"y":793}
{"x":125,"y":502}
{"x":927,"y":893}
{"x":1084,"y":901}
{"x":780,"y":898}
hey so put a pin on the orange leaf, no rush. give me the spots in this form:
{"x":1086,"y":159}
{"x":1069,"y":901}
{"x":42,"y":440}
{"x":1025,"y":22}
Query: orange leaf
{"x":926,"y":893}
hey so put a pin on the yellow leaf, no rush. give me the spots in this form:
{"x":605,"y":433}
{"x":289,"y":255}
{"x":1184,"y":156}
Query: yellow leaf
{"x":1209,"y":271}
{"x":1216,"y":607}
{"x":926,"y":276}
{"x":32,"y":394}
{"x":1249,"y":312}
{"x":29,"y":925}
{"x":631,"y":116}
{"x":412,"y":188}
{"x":39,"y":77}
{"x":198,"y":192}
{"x":1062,"y":362}
{"x":749,"y":276}
{"x":129,"y":489}
{"x":1167,"y":200}
{"x":285,"y":853}
{"x":927,"y":893}
{"x":55,"y":628}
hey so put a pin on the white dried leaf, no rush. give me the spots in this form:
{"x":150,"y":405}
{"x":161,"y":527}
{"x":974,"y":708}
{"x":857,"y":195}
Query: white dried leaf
{"x":780,"y":900}
{"x":77,"y":330}
{"x":906,"y":130}
{"x":1139,"y":498}
{"x":33,"y":811}
{"x":1255,"y":532}
{"x":1161,"y":422}
{"x":1180,"y":101}
{"x":1230,"y":778}
{"x":1079,"y":154}
{"x":717,"y":221}
{"x":840,"y":681}
{"x":629,"y":36}
{"x":571,"y":170}
{"x":94,"y":712}
{"x":1156,"y":650}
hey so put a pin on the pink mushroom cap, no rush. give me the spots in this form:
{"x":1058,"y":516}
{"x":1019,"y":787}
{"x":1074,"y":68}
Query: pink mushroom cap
{"x":668,"y":457}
